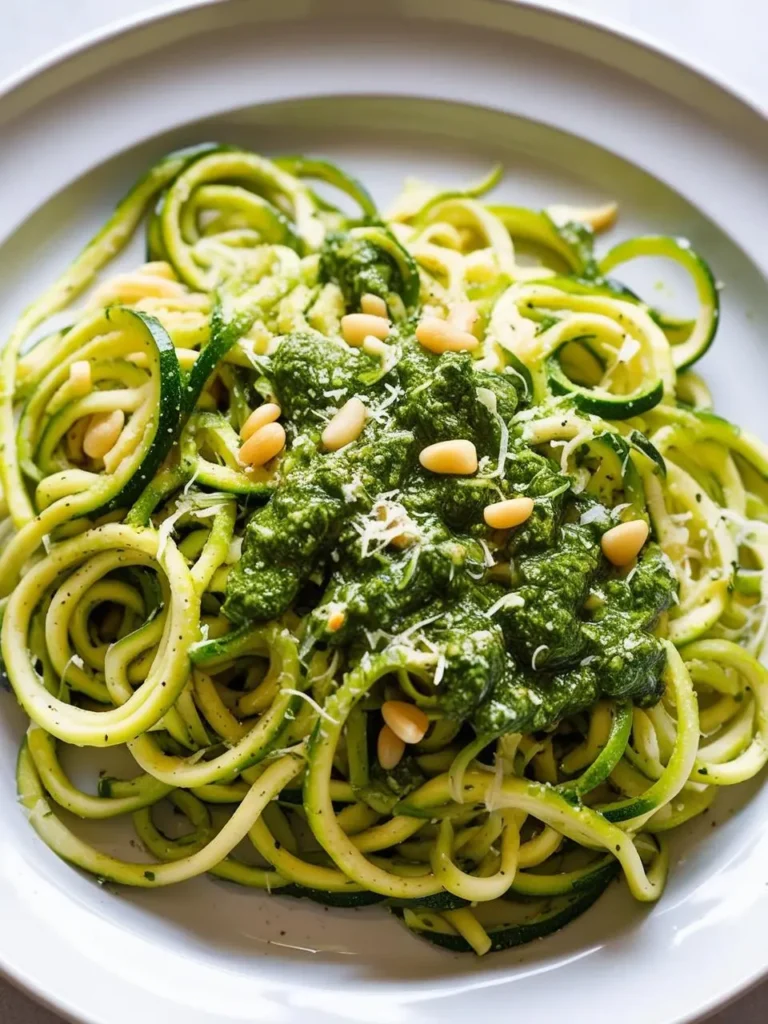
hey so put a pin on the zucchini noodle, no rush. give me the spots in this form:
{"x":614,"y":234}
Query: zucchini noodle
{"x":394,"y":650}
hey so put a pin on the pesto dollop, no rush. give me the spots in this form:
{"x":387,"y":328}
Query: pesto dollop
{"x":400,"y":552}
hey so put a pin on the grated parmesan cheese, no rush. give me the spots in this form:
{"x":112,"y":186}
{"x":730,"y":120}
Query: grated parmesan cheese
{"x":539,"y":650}
{"x":507,"y":601}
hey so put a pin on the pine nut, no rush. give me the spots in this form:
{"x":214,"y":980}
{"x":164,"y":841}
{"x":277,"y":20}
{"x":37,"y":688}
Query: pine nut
{"x":374,"y":347}
{"x":102,"y":433}
{"x":407,"y":721}
{"x":439,"y":336}
{"x":374,"y":305}
{"x":503,"y":515}
{"x":355,"y":328}
{"x":457,"y":458}
{"x":622,"y":543}
{"x":463,"y":316}
{"x":263,"y":445}
{"x":346,"y":425}
{"x":80,"y":377}
{"x":389,"y":749}
{"x":267,"y":413}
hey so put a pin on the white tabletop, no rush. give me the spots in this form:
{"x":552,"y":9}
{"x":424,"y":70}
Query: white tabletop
{"x":731,"y":45}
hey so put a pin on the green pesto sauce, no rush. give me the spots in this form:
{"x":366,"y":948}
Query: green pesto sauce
{"x":569,"y":628}
{"x":358,"y":267}
{"x":386,"y":788}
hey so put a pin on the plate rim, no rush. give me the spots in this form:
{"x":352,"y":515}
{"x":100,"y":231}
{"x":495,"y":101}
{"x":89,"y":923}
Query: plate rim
{"x":70,"y":53}
{"x":58,"y":56}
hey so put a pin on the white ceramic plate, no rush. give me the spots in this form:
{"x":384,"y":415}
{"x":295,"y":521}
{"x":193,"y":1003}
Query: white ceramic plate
{"x":441,"y":90}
